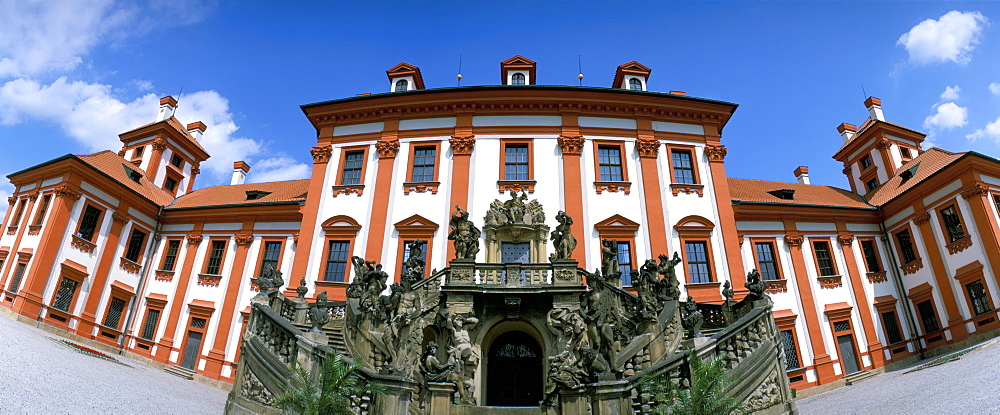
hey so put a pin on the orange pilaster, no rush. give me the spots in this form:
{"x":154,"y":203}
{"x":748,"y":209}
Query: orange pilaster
{"x":649,"y":149}
{"x":217,"y":355}
{"x":727,"y":219}
{"x":166,"y":343}
{"x":387,"y":148}
{"x":956,"y":323}
{"x":88,"y":318}
{"x":461,"y":147}
{"x":310,"y":212}
{"x":978,"y":196}
{"x":21,"y":230}
{"x":860,"y":298}
{"x":571,"y":144}
{"x":821,"y":359}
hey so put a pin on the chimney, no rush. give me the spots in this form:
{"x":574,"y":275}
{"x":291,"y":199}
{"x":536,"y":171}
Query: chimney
{"x":240,"y":170}
{"x":196,"y":129}
{"x":847,"y":131}
{"x":167,"y":107}
{"x":802,"y":174}
{"x":874,"y":106}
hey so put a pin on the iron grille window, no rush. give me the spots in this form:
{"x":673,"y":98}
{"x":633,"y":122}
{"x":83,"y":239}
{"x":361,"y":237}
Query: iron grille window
{"x":609,"y":161}
{"x":19,"y":213}
{"x":766,"y":261}
{"x":823,"y":258}
{"x":683,"y":168}
{"x":89,"y":223}
{"x":977,"y":295}
{"x":927,"y":316}
{"x":353,"y":162}
{"x":18,"y":274}
{"x":176,"y":161}
{"x":406,"y":253}
{"x":866,"y":162}
{"x":791,"y":352}
{"x":170,"y":184}
{"x":272,"y":251}
{"x":135,"y":245}
{"x":697,"y":258}
{"x":906,"y":246}
{"x":215,"y":258}
{"x":198,"y":323}
{"x":952,"y":224}
{"x":402,"y":85}
{"x":170,"y":260}
{"x":891,"y":325}
{"x":336,"y":261}
{"x":42,"y":210}
{"x":149,"y":326}
{"x":64,"y":295}
{"x":517,"y":79}
{"x":625,"y":262}
{"x":872,"y":184}
{"x":635,"y":84}
{"x":871,"y":257}
{"x":843,"y":325}
{"x":516,"y":162}
{"x":423,"y":164}
{"x":114,"y":313}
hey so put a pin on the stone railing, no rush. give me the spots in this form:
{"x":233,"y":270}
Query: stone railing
{"x":493,"y":275}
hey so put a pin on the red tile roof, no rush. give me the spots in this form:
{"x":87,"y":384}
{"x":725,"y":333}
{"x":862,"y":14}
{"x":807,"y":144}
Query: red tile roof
{"x":287,"y":191}
{"x":115,"y":166}
{"x":756,"y":191}
{"x":923,"y":166}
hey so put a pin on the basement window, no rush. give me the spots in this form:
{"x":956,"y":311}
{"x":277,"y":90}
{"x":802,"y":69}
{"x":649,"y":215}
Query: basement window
{"x":256,"y":194}
{"x":783,"y":194}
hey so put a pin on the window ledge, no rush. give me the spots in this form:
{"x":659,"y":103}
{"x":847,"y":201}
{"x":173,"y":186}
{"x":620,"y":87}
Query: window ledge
{"x":702,"y":284}
{"x":129,"y":266}
{"x":421,"y":187}
{"x":346,"y":189}
{"x":960,"y":245}
{"x":677,"y":188}
{"x":613,"y":187}
{"x":830,"y":281}
{"x":504,"y":186}
{"x":776,"y":286}
{"x":877,"y":277}
{"x":11,"y":230}
{"x":83,"y":244}
{"x":164,"y":275}
{"x":34,"y":229}
{"x":209,"y":280}
{"x":913,"y":266}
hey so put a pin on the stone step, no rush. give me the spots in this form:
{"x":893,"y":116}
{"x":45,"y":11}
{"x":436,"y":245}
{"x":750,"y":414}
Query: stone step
{"x":181,"y":372}
{"x":858,"y":377}
{"x":499,"y":410}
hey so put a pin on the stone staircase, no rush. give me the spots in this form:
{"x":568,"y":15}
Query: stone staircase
{"x":180,"y":372}
{"x":858,"y":377}
{"x":335,"y":331}
{"x":496,"y":410}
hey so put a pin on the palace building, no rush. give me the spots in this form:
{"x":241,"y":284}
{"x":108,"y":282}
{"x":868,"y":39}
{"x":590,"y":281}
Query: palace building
{"x":121,"y":248}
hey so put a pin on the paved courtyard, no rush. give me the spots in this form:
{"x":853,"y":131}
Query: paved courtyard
{"x":40,"y":375}
{"x":965,"y":386}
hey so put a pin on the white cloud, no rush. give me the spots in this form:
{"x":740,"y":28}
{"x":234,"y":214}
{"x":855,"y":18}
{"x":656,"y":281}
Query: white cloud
{"x":950,"y":38}
{"x":992,"y":130}
{"x":995,"y":88}
{"x":950,"y":93}
{"x":281,"y":167}
{"x":949,"y":115}
{"x":5,"y":190}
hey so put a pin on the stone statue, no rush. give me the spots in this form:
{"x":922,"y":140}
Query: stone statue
{"x":562,"y":238}
{"x":414,"y":263}
{"x":516,"y":207}
{"x":432,"y":368}
{"x":497,"y":214}
{"x":534,"y":213}
{"x":594,"y":364}
{"x":647,"y":283}
{"x":569,"y":328}
{"x":270,"y":281}
{"x":464,"y":357}
{"x":301,"y":290}
{"x":601,"y":312}
{"x":609,"y":259}
{"x":693,"y":319}
{"x":671,"y":286}
{"x":727,"y":291}
{"x":756,"y":286}
{"x":465,"y":235}
{"x":319,"y":312}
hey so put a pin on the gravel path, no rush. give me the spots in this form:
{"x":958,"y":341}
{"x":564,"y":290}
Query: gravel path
{"x":965,"y":386}
{"x":40,"y":375}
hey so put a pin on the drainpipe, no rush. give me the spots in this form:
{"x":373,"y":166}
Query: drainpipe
{"x":143,"y":277}
{"x":898,"y":279}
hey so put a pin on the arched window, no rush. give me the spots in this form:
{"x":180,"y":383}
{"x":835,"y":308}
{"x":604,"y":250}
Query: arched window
{"x":517,"y":79}
{"x":635,"y":84}
{"x":402,"y":85}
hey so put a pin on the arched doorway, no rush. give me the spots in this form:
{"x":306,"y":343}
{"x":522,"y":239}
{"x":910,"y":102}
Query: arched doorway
{"x":514,"y":373}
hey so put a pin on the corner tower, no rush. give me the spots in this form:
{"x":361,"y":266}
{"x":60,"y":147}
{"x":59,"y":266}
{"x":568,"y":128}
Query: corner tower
{"x":872,"y":153}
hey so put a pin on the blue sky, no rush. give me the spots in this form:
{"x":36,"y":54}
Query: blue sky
{"x":74,"y":74}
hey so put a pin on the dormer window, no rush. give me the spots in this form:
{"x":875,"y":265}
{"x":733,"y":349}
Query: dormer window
{"x":256,"y":194}
{"x":635,"y":84}
{"x":783,"y":194}
{"x":133,"y":175}
{"x":402,"y":85}
{"x":517,"y":79}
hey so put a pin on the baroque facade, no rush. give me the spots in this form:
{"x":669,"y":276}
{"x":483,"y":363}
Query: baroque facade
{"x":120,"y":249}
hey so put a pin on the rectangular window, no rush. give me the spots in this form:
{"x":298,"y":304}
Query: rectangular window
{"x":516,"y":162}
{"x":891,"y":325}
{"x":625,"y":262}
{"x":996,"y":201}
{"x":905,"y":152}
{"x":15,"y":283}
{"x":791,"y":352}
{"x":170,"y":184}
{"x":609,"y":162}
{"x":697,"y":259}
{"x":766,"y":261}
{"x":149,"y":326}
{"x":64,"y":295}
{"x":336,"y":261}
{"x":977,"y":296}
{"x":135,"y":244}
{"x":353,"y":164}
{"x":866,"y":162}
{"x":218,"y":248}
{"x":40,"y":217}
{"x":424,"y":160}
{"x":406,"y":254}
{"x":114,"y":313}
{"x":170,"y":259}
{"x":823,"y":258}
{"x":19,"y":212}
{"x":138,"y":152}
{"x":906,"y":246}
{"x":683,"y":168}
{"x":272,"y":252}
{"x":871,"y":256}
{"x":872,"y":184}
{"x":927,"y":316}
{"x":88,"y":224}
{"x":952,"y":224}
{"x":176,"y":161}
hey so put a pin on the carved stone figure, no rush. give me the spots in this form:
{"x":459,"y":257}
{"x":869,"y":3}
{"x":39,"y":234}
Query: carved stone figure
{"x":647,"y":284}
{"x":465,"y":234}
{"x":570,"y":329}
{"x":562,"y":238}
{"x":319,"y":312}
{"x":432,"y":369}
{"x":414,"y":263}
{"x":534,"y":212}
{"x":727,"y":291}
{"x":464,"y":357}
{"x":756,"y":286}
{"x":269,"y":281}
{"x":302,"y":289}
{"x":497,"y":215}
{"x":601,"y":310}
{"x":693,"y":319}
{"x":609,"y":258}
{"x":516,"y":207}
{"x":671,"y":288}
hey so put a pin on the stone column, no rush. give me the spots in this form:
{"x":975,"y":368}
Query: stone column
{"x":440,"y":397}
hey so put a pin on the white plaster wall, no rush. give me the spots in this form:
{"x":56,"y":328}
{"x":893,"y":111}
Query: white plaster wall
{"x":673,"y":127}
{"x":372,"y":127}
